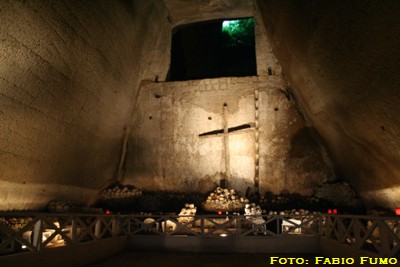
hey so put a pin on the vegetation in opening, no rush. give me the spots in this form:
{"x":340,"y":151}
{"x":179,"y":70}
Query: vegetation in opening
{"x":238,"y":32}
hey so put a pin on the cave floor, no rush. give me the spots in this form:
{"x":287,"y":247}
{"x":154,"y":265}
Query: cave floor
{"x":169,"y":259}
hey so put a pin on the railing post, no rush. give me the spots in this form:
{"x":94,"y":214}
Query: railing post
{"x":115,"y":226}
{"x":278,"y":229}
{"x":37,"y":235}
{"x":97,"y":228}
{"x":73,"y":230}
{"x":238,"y":229}
{"x":129,"y":230}
{"x":384,"y":236}
{"x":320,"y":220}
{"x":202,"y":225}
{"x":322,"y":225}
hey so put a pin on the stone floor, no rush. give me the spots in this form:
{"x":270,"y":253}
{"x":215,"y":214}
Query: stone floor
{"x":174,"y":259}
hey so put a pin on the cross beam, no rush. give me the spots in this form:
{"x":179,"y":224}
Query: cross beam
{"x":220,"y":132}
{"x":227,"y":177}
{"x":225,"y":133}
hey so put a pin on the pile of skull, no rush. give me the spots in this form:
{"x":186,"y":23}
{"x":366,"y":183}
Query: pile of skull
{"x":187,"y":213}
{"x":15,"y":224}
{"x":62,"y":205}
{"x":120,"y":191}
{"x":225,"y":200}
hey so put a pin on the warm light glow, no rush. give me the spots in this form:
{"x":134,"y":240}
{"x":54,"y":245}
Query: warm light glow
{"x":332,"y":211}
{"x":219,"y":212}
{"x":223,"y":235}
{"x":398,"y":211}
{"x":108,"y":212}
{"x":23,"y":247}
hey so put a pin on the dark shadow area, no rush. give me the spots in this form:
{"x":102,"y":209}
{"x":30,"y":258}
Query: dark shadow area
{"x":209,"y":50}
{"x":305,"y":146}
{"x":158,"y":202}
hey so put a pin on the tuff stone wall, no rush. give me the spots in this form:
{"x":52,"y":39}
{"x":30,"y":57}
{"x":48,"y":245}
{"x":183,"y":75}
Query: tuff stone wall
{"x":167,"y":153}
{"x":69,"y":72}
{"x":342,"y":60}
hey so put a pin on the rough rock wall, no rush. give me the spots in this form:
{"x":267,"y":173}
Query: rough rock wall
{"x":342,"y":59}
{"x":167,"y":153}
{"x":69,"y":72}
{"x":184,"y":11}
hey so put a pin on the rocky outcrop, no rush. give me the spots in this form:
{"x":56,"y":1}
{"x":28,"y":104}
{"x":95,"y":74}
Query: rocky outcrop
{"x":72,"y":106}
{"x":342,"y":61}
{"x":69,"y":73}
{"x":340,"y":194}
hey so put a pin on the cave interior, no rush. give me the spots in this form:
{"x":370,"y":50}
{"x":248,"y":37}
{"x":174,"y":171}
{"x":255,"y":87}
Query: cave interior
{"x":155,"y":96}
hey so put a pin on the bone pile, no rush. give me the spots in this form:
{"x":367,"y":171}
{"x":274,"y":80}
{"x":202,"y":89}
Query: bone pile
{"x":15,"y":224}
{"x":284,"y":201}
{"x":339,"y":193}
{"x":62,"y":206}
{"x":275,"y":200}
{"x":301,"y":213}
{"x":225,"y":200}
{"x":188,"y":213}
{"x":252,"y":209}
{"x":119,"y":191}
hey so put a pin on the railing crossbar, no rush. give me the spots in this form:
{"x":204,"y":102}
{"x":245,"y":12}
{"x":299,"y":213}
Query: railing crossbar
{"x":364,"y":233}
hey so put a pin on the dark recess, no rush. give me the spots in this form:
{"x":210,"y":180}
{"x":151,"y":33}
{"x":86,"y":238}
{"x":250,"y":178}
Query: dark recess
{"x":202,"y":50}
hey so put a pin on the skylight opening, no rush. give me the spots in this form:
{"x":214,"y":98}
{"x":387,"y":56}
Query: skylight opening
{"x":238,"y":32}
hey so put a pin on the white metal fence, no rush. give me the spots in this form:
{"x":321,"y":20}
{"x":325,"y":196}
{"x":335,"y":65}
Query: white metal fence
{"x":21,"y":232}
{"x":34,"y":232}
{"x":380,"y":235}
{"x":220,"y":225}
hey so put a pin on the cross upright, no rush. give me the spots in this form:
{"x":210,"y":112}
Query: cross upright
{"x":225,"y":131}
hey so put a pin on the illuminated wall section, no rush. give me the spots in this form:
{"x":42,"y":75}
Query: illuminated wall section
{"x":167,"y":153}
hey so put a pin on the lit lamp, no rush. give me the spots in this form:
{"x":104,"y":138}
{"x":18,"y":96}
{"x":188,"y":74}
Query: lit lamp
{"x":332,"y":211}
{"x":397,"y":211}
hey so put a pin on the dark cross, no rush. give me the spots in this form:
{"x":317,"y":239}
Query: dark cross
{"x":225,"y":132}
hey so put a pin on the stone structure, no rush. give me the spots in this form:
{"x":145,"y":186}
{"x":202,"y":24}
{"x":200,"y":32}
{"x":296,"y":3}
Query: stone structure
{"x":84,"y":102}
{"x":69,"y":73}
{"x":174,"y":146}
{"x":343,"y":70}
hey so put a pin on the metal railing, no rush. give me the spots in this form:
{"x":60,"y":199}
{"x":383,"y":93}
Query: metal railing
{"x":380,"y":235}
{"x":21,"y":232}
{"x":34,"y":232}
{"x":220,"y":225}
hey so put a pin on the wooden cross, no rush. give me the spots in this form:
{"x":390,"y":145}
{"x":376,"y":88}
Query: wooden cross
{"x":225,"y":131}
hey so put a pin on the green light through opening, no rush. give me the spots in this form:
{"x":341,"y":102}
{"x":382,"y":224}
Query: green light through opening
{"x":239,"y":32}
